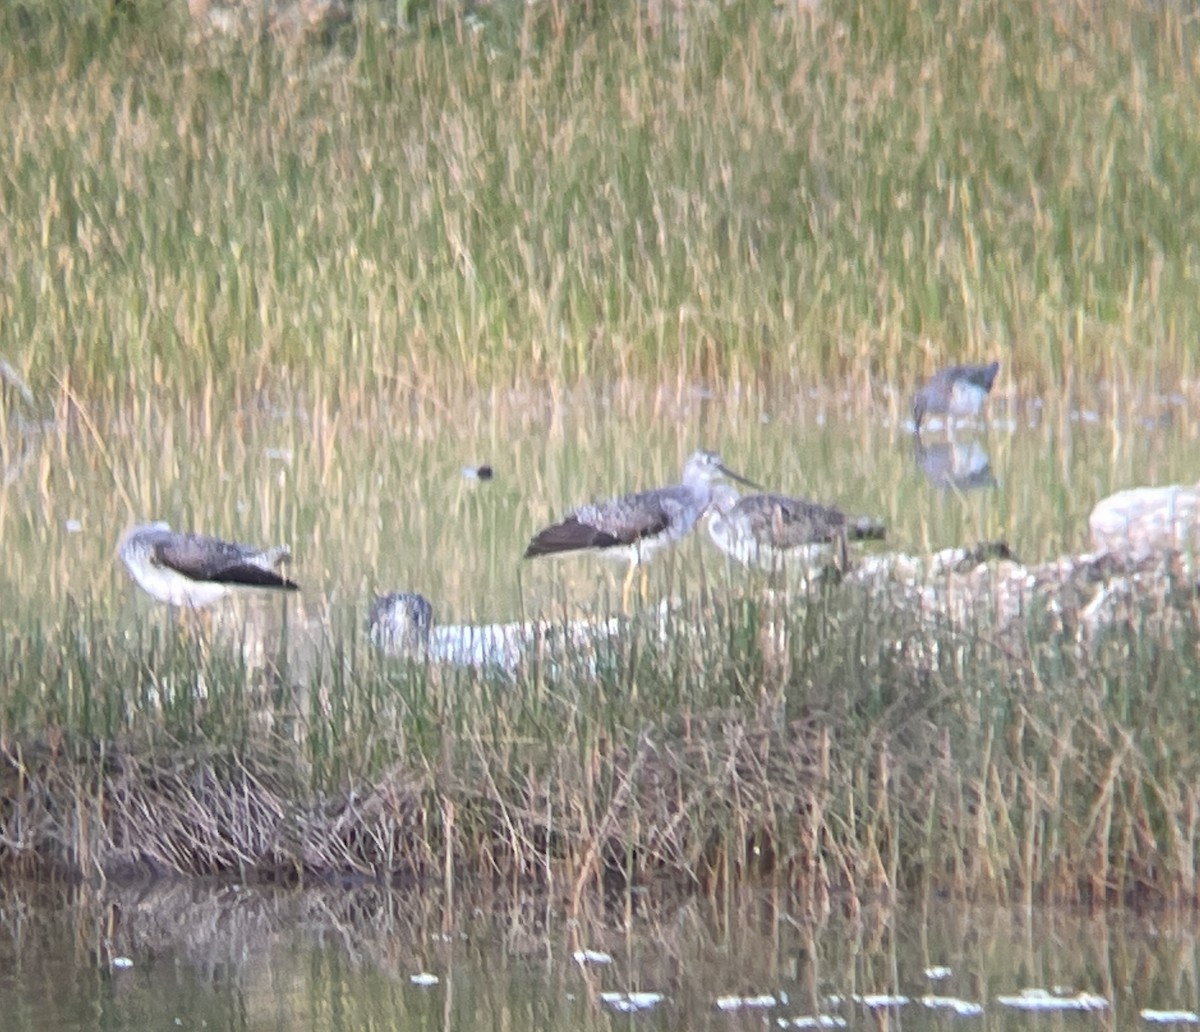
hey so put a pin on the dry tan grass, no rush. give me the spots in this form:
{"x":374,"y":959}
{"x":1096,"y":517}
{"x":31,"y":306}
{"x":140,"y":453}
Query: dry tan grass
{"x":705,"y":768}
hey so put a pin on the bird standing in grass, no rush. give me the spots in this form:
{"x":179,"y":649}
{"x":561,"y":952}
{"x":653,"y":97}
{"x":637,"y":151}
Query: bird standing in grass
{"x":772,"y":531}
{"x":955,"y":391}
{"x":192,"y":570}
{"x":634,"y":526}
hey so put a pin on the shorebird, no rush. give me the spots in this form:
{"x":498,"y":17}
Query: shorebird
{"x":957,"y":390}
{"x":401,"y":624}
{"x":634,"y":526}
{"x":192,"y":570}
{"x":771,"y":531}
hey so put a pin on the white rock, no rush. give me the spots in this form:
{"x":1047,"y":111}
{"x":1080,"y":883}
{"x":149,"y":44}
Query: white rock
{"x":1145,"y":521}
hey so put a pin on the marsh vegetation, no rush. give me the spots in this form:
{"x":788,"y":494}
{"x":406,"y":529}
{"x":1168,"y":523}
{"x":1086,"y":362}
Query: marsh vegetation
{"x":285,"y":293}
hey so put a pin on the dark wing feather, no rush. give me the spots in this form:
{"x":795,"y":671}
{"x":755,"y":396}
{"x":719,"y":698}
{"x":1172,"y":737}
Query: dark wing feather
{"x":935,"y":395}
{"x":569,"y":536}
{"x":634,"y":517}
{"x":865,"y":528}
{"x":781,"y":523}
{"x":981,"y":376}
{"x":805,"y":522}
{"x":623,"y":521}
{"x":802,"y":522}
{"x":201,"y":558}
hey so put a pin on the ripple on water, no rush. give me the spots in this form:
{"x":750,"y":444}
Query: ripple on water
{"x":962,"y":1008}
{"x":734,"y":1003}
{"x":813,"y":1021}
{"x":1045,"y":1000}
{"x":627,"y":1003}
{"x":591,"y":957}
{"x":874,"y":1001}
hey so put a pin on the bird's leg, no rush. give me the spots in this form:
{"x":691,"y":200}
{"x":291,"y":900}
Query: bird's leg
{"x":626,"y":586}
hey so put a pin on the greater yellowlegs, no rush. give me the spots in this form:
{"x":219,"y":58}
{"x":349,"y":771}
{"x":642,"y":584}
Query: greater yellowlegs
{"x":773,"y":531}
{"x":634,"y":526}
{"x":192,"y":570}
{"x":955,"y":391}
{"x":402,"y":624}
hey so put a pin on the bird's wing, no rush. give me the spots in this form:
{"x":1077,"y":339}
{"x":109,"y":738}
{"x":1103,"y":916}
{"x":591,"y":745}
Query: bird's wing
{"x":202,"y":558}
{"x":637,"y":516}
{"x":622,"y":521}
{"x":798,"y":521}
{"x":981,"y":376}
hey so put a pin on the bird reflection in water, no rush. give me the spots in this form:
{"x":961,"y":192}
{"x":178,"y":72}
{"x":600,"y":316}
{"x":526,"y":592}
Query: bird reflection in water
{"x":960,"y":465}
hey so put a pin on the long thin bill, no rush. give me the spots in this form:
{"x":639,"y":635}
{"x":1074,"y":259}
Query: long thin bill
{"x":740,"y":479}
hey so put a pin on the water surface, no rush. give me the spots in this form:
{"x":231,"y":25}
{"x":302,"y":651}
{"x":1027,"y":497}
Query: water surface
{"x":175,"y":956}
{"x":371,"y":495}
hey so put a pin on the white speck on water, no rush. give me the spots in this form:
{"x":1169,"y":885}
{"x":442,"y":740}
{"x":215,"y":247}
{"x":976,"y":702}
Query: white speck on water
{"x":424,"y":979}
{"x":963,"y":1008}
{"x":73,"y":526}
{"x":1043,"y":1000}
{"x":627,"y":1003}
{"x":876,"y":1000}
{"x":591,"y":957}
{"x":122,"y":963}
{"x":1170,"y":1017}
{"x":733,"y":1003}
{"x":937,"y":973}
{"x":813,"y":1021}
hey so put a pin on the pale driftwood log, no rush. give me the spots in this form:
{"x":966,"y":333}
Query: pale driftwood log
{"x":1146,"y":521}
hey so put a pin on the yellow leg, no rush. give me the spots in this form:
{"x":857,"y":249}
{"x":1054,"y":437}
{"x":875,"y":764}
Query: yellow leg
{"x":643,"y":576}
{"x":627,"y":587}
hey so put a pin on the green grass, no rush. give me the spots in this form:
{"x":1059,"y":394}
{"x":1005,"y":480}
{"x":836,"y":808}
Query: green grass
{"x":283,"y":289}
{"x":839,"y":745}
{"x":747,"y":192}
